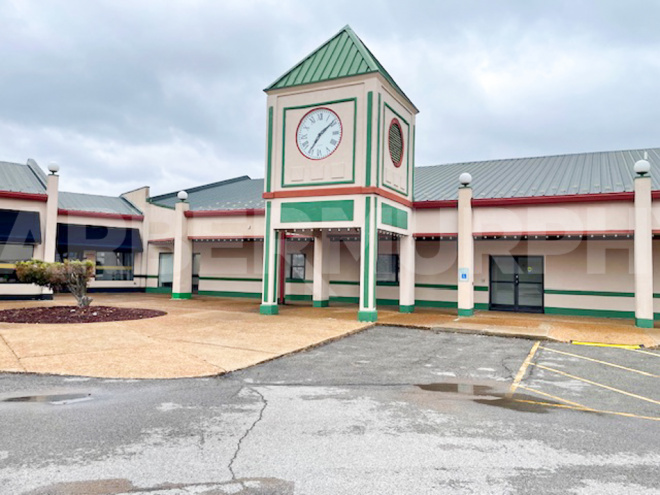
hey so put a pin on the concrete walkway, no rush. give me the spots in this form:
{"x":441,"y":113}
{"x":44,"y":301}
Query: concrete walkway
{"x":207,"y":336}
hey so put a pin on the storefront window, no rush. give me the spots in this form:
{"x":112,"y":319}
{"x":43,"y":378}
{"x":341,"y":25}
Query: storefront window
{"x":9,"y":255}
{"x":387,"y":268}
{"x":297,"y":266}
{"x":110,"y":265}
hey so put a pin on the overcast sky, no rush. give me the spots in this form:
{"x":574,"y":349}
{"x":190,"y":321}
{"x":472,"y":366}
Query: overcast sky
{"x":169,"y":93}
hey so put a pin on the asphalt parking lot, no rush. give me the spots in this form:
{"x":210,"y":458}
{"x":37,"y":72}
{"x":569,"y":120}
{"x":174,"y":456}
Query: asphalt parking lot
{"x":388,"y":410}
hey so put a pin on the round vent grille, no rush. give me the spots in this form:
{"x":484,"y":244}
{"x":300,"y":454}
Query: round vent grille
{"x":395,"y":141}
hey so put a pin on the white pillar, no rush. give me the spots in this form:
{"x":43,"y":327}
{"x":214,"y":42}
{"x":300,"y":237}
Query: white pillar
{"x":270,"y":273}
{"x":321,"y":281}
{"x":465,"y":253}
{"x":50,"y":235}
{"x":407,"y":274}
{"x":368,"y":257}
{"x":182,"y":276}
{"x":643,"y":253}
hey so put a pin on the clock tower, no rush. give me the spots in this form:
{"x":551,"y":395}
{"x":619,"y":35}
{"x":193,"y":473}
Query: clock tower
{"x":340,"y":160}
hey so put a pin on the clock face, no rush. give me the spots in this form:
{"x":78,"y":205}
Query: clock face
{"x":319,"y":133}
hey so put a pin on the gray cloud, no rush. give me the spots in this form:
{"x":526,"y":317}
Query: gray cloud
{"x":170,"y":94}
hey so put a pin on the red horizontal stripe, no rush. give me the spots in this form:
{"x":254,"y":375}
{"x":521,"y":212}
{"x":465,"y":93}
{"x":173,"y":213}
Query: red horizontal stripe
{"x":23,"y":195}
{"x":534,"y":200}
{"x":528,"y":234}
{"x":223,"y":238}
{"x":338,"y":191}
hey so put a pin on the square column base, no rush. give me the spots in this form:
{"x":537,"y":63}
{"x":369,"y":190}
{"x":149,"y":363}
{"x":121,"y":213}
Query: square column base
{"x":181,"y":295}
{"x":407,"y":308}
{"x":269,"y":309}
{"x":465,"y":312}
{"x":643,"y":323}
{"x":368,"y":315}
{"x":321,"y":304}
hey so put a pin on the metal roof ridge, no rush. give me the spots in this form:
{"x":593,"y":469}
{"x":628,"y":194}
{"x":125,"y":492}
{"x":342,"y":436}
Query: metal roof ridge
{"x":31,"y":167}
{"x":203,"y":187}
{"x":560,"y":155}
{"x":130,"y":204}
{"x":310,"y":55}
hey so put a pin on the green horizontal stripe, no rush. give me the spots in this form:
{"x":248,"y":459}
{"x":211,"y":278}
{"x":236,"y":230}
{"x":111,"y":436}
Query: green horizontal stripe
{"x":158,"y":290}
{"x":232,"y":279}
{"x":437,"y":286}
{"x":598,"y":313}
{"x":298,"y":281}
{"x":589,"y":293}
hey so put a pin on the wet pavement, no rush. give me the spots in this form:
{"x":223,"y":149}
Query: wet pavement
{"x":387,"y":410}
{"x":208,"y":336}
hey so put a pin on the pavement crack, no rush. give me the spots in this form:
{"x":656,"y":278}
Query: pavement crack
{"x":18,"y":359}
{"x":264,"y":403}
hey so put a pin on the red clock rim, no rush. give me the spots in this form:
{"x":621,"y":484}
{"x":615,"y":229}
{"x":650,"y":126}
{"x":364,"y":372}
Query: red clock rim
{"x":396,"y":122}
{"x":341,"y":125}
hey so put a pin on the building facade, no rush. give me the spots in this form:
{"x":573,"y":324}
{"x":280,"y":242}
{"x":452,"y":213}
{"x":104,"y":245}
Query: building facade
{"x":344,"y":215}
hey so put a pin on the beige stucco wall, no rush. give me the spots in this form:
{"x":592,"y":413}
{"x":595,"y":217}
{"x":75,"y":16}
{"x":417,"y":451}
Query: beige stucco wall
{"x":338,"y":167}
{"x":570,"y":217}
{"x":242,"y":225}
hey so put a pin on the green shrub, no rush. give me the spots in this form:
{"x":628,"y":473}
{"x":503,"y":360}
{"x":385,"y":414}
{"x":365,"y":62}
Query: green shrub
{"x":71,"y":275}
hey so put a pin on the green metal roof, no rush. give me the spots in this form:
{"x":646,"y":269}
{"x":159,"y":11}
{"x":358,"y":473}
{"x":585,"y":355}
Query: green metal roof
{"x":343,"y":55}
{"x":240,"y":193}
{"x":559,"y":175}
{"x":17,"y":177}
{"x":95,"y":203}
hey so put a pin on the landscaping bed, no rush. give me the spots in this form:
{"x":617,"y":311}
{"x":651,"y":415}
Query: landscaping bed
{"x":74,"y":314}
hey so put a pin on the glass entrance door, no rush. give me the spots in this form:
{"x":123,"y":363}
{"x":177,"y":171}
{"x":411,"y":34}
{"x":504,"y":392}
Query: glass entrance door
{"x":516,"y":283}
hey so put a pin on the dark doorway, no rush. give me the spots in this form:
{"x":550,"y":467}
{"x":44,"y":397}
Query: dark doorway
{"x":516,"y":283}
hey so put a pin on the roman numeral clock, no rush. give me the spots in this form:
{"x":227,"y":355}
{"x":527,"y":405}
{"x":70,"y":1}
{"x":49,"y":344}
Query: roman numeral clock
{"x":319,"y":133}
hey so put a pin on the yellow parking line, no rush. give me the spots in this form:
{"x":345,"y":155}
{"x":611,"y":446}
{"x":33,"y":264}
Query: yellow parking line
{"x":596,"y":384}
{"x":586,"y":409}
{"x":602,"y":362}
{"x":553,"y":397}
{"x":523,"y":368}
{"x":597,"y":344}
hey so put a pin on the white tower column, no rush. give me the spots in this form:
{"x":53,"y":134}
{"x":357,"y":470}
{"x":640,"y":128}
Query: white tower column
{"x":182,"y":276}
{"x":465,"y":249}
{"x":407,"y":274}
{"x":321,"y":282}
{"x":368,"y":258}
{"x":643,"y":247}
{"x":271,"y":273}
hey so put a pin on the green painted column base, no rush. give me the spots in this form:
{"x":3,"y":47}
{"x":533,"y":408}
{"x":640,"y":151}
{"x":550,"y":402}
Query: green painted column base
{"x":181,"y":295}
{"x":269,"y":309}
{"x":407,"y":309}
{"x":321,"y":304}
{"x":643,"y":323}
{"x":465,"y":312}
{"x":367,"y":315}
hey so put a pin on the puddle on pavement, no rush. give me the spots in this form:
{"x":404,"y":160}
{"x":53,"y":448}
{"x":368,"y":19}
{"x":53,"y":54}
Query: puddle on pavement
{"x":490,"y":395}
{"x":55,"y":399}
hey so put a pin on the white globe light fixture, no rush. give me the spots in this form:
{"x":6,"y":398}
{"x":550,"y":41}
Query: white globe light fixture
{"x":53,"y":168}
{"x":642,"y":167}
{"x":465,"y":179}
{"x":182,"y":195}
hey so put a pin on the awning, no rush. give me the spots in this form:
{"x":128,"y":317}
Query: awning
{"x":19,"y":227}
{"x":97,"y":238}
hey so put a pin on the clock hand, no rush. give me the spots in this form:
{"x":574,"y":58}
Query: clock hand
{"x":319,"y":136}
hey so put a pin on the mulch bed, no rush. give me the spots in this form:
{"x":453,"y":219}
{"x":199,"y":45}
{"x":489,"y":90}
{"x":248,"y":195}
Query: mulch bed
{"x":74,"y":314}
